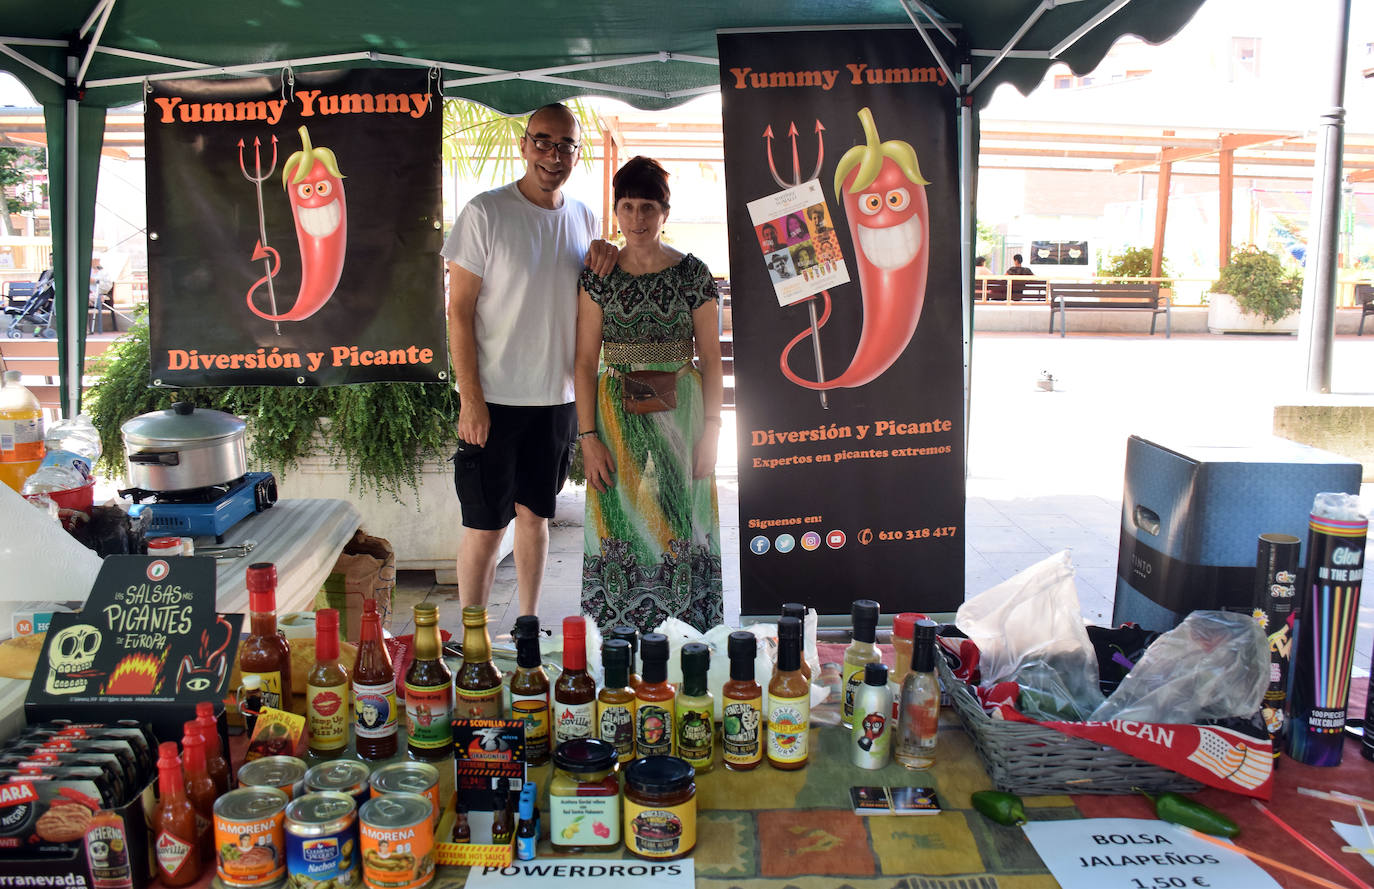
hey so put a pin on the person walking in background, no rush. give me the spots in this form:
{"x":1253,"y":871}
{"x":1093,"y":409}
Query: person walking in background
{"x":649,"y":423}
{"x":513,"y":259}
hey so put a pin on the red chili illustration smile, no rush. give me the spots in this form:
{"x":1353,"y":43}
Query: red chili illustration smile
{"x":314,"y":186}
{"x":884,"y":198}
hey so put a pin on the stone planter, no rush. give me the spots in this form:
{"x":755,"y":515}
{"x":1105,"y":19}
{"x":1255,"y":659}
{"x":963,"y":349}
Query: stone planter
{"x":1225,"y":316}
{"x":424,"y":528}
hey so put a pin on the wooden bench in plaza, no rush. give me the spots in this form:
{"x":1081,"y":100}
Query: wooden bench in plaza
{"x":37,"y":360}
{"x":1068,"y":295}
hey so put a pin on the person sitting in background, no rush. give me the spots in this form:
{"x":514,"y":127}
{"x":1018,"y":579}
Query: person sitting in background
{"x":1017,"y":268}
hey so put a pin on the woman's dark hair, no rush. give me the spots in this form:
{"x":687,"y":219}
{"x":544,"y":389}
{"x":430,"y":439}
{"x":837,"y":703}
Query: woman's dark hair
{"x":795,"y":222}
{"x":768,"y":231}
{"x":643,"y":178}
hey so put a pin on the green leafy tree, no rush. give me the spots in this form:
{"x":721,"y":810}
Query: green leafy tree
{"x":1260,"y":284}
{"x":483,"y":144}
{"x":1134,"y":262}
{"x":15,"y":165}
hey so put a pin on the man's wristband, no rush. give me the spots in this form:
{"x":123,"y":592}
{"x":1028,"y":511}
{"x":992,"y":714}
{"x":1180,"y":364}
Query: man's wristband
{"x":582,"y":435}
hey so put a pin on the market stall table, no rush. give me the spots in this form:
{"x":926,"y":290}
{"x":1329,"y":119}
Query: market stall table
{"x":303,"y":538}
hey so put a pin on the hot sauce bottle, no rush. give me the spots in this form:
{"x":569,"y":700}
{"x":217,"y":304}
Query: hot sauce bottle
{"x":861,"y":651}
{"x":429,"y":689}
{"x":216,"y":763}
{"x":200,"y":788}
{"x":574,"y":694}
{"x":654,"y":699}
{"x":695,"y":710}
{"x":630,"y":635}
{"x":615,"y":703}
{"x":174,"y":823}
{"x":529,"y":690}
{"x":374,"y":691}
{"x":477,"y":687}
{"x":107,"y":852}
{"x":741,"y":729}
{"x":798,"y":610}
{"x":326,"y":690}
{"x":789,"y":701}
{"x":265,"y":650}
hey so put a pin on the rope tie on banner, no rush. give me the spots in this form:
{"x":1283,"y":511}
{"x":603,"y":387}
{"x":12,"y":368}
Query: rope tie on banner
{"x":288,"y":84}
{"x":147,"y":91}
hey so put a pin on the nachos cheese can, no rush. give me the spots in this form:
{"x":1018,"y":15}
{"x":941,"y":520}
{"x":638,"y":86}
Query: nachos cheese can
{"x":250,"y":838}
{"x":286,"y":773}
{"x":322,"y":841}
{"x":397,"y":841}
{"x":409,"y":777}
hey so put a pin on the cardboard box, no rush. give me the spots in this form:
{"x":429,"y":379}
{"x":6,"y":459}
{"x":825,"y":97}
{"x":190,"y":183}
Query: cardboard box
{"x":1191,"y":517}
{"x":366,"y":569}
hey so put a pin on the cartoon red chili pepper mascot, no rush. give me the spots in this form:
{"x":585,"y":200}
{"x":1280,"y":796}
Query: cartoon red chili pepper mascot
{"x":884,"y":197}
{"x":314,"y":186}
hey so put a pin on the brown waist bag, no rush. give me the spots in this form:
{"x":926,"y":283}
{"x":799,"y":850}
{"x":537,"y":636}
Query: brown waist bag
{"x":648,"y":391}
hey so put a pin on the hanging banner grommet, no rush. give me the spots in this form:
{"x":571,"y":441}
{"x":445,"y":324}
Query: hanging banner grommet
{"x":258,"y":277}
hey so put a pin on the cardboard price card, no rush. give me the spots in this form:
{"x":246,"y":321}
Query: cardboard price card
{"x":148,"y":632}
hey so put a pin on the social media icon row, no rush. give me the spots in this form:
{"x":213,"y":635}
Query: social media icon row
{"x":785,"y":543}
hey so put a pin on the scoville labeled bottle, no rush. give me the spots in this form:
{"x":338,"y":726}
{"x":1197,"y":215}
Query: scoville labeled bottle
{"x":574,"y":693}
{"x":477,"y":687}
{"x":429,"y":690}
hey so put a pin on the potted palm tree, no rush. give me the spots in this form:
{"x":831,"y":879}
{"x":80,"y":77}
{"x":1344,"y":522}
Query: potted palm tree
{"x":1255,"y":294}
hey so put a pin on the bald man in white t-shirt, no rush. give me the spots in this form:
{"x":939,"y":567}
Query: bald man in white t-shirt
{"x":513,"y":258}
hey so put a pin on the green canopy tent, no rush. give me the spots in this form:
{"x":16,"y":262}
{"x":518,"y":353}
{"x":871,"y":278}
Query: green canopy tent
{"x":79,"y":58}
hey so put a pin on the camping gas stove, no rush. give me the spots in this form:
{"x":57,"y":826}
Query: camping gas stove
{"x":202,"y":511}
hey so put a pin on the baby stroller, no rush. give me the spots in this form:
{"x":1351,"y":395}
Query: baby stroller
{"x":37,"y":311}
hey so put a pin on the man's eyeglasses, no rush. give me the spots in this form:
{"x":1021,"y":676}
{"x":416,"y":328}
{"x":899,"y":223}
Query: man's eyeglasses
{"x":564,"y":148}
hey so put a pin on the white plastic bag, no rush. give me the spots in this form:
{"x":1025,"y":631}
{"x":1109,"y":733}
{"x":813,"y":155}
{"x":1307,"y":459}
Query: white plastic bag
{"x":1029,"y":629}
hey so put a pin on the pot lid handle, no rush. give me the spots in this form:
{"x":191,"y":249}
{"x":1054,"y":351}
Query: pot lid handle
{"x":183,"y":408}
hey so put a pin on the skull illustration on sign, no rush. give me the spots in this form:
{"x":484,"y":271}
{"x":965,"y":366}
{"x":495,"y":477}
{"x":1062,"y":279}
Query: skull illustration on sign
{"x":71,"y":651}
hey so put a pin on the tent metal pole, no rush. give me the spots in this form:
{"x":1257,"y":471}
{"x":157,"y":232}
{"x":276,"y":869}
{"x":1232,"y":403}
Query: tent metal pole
{"x":75,"y":295}
{"x":1317,"y":324}
{"x":967,"y":200}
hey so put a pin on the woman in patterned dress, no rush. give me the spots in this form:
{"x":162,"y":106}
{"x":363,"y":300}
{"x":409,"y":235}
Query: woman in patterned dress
{"x":652,"y":529}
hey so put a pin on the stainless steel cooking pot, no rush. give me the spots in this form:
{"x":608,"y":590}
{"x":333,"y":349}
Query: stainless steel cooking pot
{"x":184,"y":448}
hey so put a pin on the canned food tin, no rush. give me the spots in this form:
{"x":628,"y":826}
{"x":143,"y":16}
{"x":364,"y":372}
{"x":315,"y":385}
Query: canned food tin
{"x":409,"y":777}
{"x":322,"y":841}
{"x":249,"y":838}
{"x":286,"y":773}
{"x":343,"y":775}
{"x":397,"y":842}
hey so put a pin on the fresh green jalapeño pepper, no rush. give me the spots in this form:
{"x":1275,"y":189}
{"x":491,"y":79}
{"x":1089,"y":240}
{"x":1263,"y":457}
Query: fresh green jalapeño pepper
{"x":1180,"y":810}
{"x":1004,"y":808}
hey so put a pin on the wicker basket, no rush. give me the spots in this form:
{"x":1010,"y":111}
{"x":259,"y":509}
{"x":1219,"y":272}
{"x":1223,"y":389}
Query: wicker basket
{"x":1032,"y":760}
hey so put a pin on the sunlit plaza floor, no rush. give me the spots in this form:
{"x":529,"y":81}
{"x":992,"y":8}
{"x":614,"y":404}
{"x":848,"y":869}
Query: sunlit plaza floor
{"x":1046,"y":469}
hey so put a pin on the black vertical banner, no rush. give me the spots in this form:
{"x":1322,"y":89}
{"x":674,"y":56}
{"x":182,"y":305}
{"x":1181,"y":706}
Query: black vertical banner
{"x":294,"y":230}
{"x":842,"y":190}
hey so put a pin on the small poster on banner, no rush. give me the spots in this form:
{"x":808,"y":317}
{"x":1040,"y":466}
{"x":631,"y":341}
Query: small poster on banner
{"x":797,"y":240}
{"x":1133,"y":853}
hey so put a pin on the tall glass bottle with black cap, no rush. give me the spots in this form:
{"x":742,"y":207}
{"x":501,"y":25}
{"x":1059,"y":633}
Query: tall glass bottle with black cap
{"x":741,"y":728}
{"x":529,"y":690}
{"x":789,"y":702}
{"x":798,"y":610}
{"x":862,"y":651}
{"x":654,"y":707}
{"x":630,"y":635}
{"x":696,"y":709}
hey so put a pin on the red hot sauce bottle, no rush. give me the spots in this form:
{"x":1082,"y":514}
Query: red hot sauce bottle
{"x":374,"y":691}
{"x":174,"y":823}
{"x":265,"y":650}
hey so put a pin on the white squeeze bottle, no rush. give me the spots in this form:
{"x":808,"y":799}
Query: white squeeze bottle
{"x":21,"y":431}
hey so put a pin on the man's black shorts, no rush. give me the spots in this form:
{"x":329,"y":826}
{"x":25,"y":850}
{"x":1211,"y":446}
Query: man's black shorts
{"x":525,"y":461}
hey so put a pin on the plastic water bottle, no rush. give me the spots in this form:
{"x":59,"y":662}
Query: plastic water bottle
{"x":74,"y":444}
{"x":53,"y":478}
{"x":21,"y":431}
